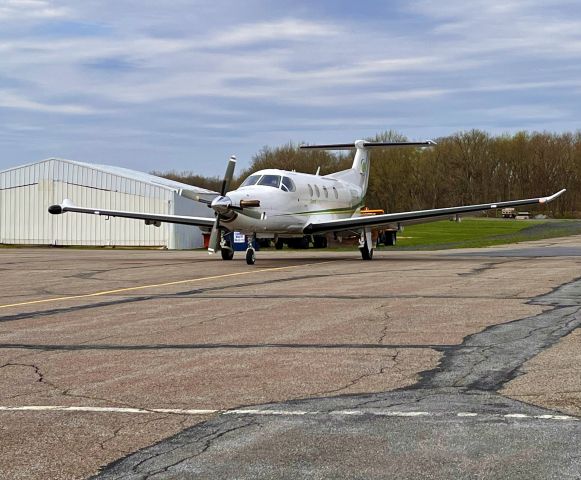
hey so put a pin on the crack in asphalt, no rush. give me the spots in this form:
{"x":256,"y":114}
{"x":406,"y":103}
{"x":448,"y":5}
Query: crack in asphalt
{"x":29,"y":365}
{"x":490,"y":266}
{"x":208,"y":440}
{"x":359,"y":378}
{"x":386,"y":322}
{"x":200,"y":445}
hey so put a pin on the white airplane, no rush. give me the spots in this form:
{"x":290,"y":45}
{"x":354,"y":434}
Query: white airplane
{"x":280,"y":205}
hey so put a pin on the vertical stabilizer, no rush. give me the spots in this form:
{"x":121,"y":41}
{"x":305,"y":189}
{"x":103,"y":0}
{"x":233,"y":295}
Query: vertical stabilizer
{"x":360,"y":166}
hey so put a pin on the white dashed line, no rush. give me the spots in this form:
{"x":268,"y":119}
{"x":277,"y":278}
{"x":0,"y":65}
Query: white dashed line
{"x":280,"y":413}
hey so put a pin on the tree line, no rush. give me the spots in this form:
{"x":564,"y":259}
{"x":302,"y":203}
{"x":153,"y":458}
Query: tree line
{"x":463,"y":168}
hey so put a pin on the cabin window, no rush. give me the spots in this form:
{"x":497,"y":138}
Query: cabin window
{"x":317,"y":190}
{"x":310,"y":190}
{"x":270,"y":181}
{"x":336,"y":192}
{"x":326,"y":192}
{"x":288,"y":185}
{"x":251,"y":180}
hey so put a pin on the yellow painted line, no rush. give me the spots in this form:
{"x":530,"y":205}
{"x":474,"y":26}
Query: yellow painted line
{"x":166,"y":284}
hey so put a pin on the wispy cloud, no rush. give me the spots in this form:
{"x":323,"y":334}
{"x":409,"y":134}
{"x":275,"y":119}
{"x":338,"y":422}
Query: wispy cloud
{"x":278,"y":31}
{"x":15,"y":101}
{"x":30,"y":9}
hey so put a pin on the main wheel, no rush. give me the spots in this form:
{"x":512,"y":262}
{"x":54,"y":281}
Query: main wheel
{"x":250,"y":256}
{"x":390,"y":238}
{"x":319,"y":241}
{"x":279,"y":244}
{"x":366,"y":252}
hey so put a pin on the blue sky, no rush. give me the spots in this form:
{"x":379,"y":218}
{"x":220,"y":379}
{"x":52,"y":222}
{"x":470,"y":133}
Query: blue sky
{"x":183,"y":84}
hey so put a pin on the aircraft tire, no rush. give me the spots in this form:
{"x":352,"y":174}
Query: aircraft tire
{"x":279,"y":244}
{"x":390,"y":238}
{"x":319,"y":241}
{"x":366,"y":252}
{"x":227,"y":253}
{"x":250,"y":256}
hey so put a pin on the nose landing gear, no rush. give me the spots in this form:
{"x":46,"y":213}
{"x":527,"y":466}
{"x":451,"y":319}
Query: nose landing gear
{"x":250,"y":254}
{"x":227,"y":251}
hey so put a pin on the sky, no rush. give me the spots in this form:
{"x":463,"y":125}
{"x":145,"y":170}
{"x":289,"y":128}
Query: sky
{"x":181,"y":85}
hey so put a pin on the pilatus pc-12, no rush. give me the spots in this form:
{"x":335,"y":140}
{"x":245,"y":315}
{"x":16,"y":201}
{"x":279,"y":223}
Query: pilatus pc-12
{"x":280,"y":205}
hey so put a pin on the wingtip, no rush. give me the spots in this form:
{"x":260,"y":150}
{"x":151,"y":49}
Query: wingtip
{"x":552,"y":197}
{"x":55,"y":209}
{"x":62,"y":208}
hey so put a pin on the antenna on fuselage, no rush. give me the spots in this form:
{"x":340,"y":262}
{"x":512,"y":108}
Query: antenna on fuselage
{"x":318,"y":171}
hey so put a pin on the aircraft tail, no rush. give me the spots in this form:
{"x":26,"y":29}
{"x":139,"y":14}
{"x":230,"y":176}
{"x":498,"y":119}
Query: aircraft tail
{"x":358,"y":174}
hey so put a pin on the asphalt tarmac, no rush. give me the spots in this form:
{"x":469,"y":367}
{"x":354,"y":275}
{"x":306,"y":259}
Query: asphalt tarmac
{"x":151,"y":364}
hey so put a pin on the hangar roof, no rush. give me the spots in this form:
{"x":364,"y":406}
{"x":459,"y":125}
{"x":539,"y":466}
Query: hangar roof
{"x":126,"y":173}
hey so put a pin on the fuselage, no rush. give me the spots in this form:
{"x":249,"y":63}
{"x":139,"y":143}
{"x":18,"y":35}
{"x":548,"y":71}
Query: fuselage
{"x":289,"y":201}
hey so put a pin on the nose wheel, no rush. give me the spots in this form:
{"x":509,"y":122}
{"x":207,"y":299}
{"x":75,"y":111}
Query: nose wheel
{"x":250,"y":254}
{"x":226,"y":249}
{"x":227,"y":253}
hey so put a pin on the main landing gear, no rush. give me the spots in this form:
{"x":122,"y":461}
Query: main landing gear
{"x":366,"y":245}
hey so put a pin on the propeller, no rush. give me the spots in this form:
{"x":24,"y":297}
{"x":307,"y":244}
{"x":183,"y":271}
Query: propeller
{"x":221,"y":203}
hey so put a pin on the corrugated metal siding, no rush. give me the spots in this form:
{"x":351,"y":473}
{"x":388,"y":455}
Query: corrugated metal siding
{"x":184,"y":236}
{"x":26,"y":192}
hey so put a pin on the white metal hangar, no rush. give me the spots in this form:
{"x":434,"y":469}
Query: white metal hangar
{"x":27,"y":191}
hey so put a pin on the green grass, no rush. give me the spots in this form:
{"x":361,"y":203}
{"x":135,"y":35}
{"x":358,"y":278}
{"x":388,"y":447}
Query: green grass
{"x":482,"y":232}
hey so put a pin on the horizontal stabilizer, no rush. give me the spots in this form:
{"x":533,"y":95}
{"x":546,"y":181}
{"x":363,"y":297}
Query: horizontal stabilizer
{"x":364,"y":144}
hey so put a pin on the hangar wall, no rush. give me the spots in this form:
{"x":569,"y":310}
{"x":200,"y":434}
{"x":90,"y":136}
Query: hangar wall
{"x":27,"y":191}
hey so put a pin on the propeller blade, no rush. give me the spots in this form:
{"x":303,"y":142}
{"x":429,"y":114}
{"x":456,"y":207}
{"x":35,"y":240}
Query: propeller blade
{"x":214,"y":243}
{"x":197,"y":196}
{"x":249,"y":213}
{"x":228,"y":175}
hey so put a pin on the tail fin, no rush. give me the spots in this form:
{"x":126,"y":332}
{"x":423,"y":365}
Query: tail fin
{"x":358,"y":174}
{"x":361,"y":166}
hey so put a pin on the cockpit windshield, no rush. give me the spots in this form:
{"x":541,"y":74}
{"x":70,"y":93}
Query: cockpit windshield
{"x":251,"y":180}
{"x":270,"y":181}
{"x":275,"y":181}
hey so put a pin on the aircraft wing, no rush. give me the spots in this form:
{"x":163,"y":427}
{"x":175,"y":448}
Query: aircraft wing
{"x":151,"y":218}
{"x":418,"y":216}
